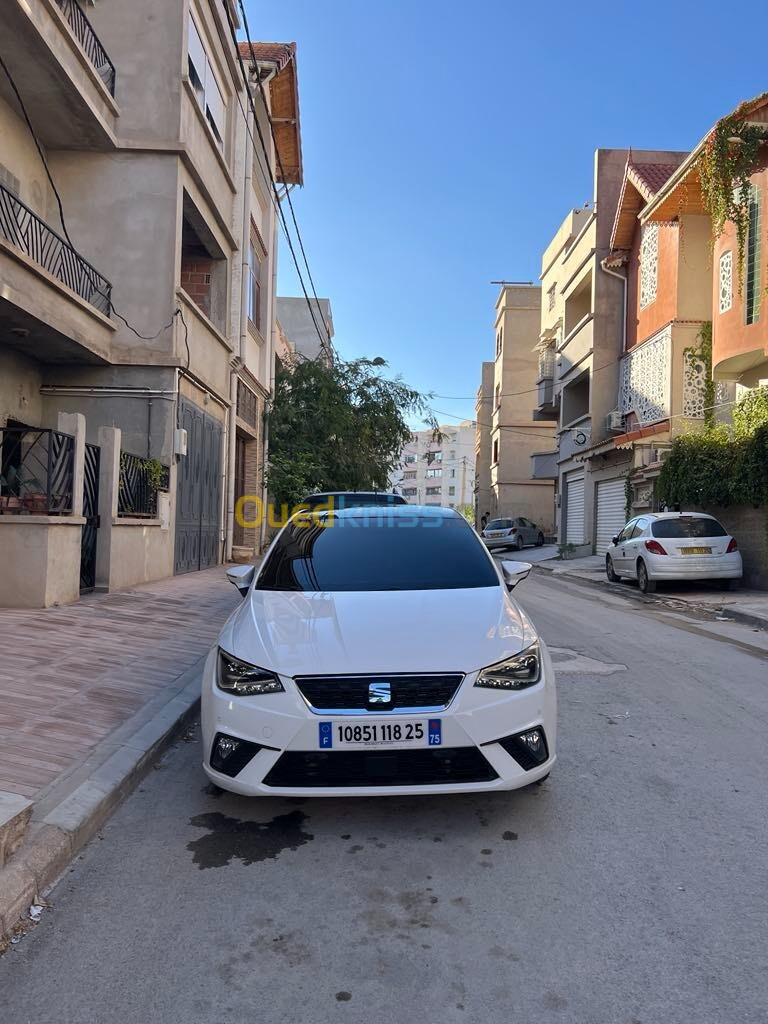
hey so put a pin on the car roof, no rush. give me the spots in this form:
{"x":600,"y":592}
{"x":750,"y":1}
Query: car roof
{"x":399,"y":511}
{"x":673,"y":515}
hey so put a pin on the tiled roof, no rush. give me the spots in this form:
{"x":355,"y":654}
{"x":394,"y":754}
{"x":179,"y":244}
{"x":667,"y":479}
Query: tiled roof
{"x":650,"y":178}
{"x":276,"y":53}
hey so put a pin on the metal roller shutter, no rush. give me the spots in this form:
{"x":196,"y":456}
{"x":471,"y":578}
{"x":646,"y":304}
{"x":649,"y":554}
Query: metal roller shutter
{"x":574,"y":508}
{"x":610,"y":517}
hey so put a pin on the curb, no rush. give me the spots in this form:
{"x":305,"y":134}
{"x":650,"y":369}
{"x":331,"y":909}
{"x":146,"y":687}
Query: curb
{"x":62,"y":827}
{"x":732,"y":613}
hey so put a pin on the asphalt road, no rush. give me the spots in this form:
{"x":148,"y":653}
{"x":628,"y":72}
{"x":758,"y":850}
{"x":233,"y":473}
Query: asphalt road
{"x":628,"y":889}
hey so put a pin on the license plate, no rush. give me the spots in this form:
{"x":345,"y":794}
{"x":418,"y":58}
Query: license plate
{"x":696,"y":551}
{"x":495,"y":533}
{"x":425,"y":733}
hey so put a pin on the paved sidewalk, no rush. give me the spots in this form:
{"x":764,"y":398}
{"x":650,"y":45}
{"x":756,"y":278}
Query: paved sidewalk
{"x":750,"y":606}
{"x":71,"y":676}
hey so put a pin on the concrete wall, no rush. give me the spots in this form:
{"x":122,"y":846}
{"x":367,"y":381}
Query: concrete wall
{"x":20,"y":380}
{"x":140,"y":552}
{"x":750,"y":528}
{"x":19,"y":155}
{"x":40,"y":557}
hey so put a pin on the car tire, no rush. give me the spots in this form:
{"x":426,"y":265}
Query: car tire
{"x":609,"y":571}
{"x":540,"y":541}
{"x":519,"y":544}
{"x":646,"y":585}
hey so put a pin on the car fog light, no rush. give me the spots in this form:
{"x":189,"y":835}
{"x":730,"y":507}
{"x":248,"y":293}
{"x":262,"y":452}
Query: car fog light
{"x":528,"y":748}
{"x":230,"y":755}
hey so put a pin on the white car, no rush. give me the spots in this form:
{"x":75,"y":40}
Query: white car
{"x":378,"y":651}
{"x":673,"y":546}
{"x":512,"y":533}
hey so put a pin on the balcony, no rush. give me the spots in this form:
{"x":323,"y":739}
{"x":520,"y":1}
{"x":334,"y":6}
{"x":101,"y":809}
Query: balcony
{"x":53,"y":303}
{"x":547,"y":403}
{"x":36,"y":471}
{"x":544,"y":466}
{"x":63,"y":72}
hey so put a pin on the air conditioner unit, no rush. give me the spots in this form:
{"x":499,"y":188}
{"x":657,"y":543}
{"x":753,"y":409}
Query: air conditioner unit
{"x":614,"y":420}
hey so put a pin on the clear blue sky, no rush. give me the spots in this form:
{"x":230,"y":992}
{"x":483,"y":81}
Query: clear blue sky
{"x":445,"y":142}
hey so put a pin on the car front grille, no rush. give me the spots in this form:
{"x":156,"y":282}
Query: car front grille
{"x":326,"y":694}
{"x":299,"y":769}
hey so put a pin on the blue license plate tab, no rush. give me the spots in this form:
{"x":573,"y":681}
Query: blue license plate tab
{"x":435,"y":732}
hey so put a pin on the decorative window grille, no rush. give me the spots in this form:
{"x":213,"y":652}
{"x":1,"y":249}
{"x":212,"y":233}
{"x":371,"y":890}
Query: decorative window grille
{"x":551,"y":297}
{"x":726,"y":281}
{"x":645,"y":379}
{"x":694,"y":385}
{"x":649,"y":264}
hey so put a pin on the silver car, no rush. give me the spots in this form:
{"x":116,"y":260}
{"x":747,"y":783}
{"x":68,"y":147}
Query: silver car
{"x":512,"y":533}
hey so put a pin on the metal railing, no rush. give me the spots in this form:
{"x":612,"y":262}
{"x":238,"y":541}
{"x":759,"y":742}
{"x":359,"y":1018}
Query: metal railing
{"x":83,"y":30}
{"x":23,"y":228}
{"x":140,"y":480}
{"x":36,"y":471}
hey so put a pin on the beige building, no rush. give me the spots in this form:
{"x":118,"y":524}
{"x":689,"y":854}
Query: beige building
{"x":483,"y":413}
{"x":121,"y":442}
{"x":519,"y":428}
{"x":438,"y":470}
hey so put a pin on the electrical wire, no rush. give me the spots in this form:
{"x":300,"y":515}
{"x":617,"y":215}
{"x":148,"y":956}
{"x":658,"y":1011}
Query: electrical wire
{"x":273,"y":183}
{"x":100,"y":291}
{"x":280,"y":160}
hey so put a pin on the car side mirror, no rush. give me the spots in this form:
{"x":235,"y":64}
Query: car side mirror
{"x":242,"y":577}
{"x":615,"y":540}
{"x":514,"y":572}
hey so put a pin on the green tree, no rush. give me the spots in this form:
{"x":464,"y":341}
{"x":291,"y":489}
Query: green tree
{"x":337,"y":427}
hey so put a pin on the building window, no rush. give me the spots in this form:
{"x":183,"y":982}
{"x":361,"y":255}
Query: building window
{"x":409,"y":492}
{"x":431,"y":473}
{"x":255,"y":255}
{"x":726,"y":281}
{"x":247,"y":405}
{"x":433,"y":490}
{"x":496,"y":450}
{"x":752,"y":274}
{"x":451,"y":491}
{"x":452,"y":454}
{"x":410,"y":475}
{"x":499,"y":340}
{"x":409,"y":458}
{"x":203,"y":81}
{"x":452,"y":473}
{"x":498,"y":395}
{"x":551,"y":297}
{"x":649,"y":264}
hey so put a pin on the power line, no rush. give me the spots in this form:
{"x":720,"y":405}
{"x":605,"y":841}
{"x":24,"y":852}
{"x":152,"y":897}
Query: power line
{"x":272,"y":182}
{"x":280,"y":159}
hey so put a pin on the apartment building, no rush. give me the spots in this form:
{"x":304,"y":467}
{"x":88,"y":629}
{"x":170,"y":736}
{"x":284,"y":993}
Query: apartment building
{"x":519,"y":428}
{"x":483,"y":448}
{"x":438,"y":468}
{"x":136,"y":334}
{"x":307,"y":326}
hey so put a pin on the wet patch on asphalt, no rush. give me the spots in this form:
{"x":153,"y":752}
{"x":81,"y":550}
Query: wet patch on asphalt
{"x":247,"y":841}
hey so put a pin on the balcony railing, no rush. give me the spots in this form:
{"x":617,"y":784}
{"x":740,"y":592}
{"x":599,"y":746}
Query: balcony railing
{"x":36,"y":471}
{"x":25,"y":230}
{"x":89,"y":41}
{"x":547,"y":364}
{"x":140,"y":480}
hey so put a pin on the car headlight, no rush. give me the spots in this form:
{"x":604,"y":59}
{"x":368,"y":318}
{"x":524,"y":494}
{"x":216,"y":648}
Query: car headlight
{"x":516,"y":673}
{"x":244,"y":680}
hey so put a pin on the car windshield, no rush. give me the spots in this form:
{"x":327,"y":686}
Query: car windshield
{"x":378,"y":552}
{"x":687,"y":526}
{"x":499,"y":524}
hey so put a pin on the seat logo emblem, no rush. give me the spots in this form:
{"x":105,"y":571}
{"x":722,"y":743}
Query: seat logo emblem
{"x":379,"y":693}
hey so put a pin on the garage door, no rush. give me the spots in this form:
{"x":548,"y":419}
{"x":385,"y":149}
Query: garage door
{"x":574,"y":508}
{"x":610,"y":516}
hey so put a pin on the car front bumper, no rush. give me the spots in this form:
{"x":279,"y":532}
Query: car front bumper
{"x":474,"y":722}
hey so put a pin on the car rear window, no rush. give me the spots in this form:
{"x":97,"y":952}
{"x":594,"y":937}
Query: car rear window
{"x":499,"y":524}
{"x":378,"y":552}
{"x":687,"y":526}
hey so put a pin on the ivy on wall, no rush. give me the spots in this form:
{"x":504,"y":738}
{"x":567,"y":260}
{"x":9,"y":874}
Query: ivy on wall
{"x":726,"y":164}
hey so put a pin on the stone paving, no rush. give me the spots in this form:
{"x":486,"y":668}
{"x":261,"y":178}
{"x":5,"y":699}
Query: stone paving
{"x":69,"y":676}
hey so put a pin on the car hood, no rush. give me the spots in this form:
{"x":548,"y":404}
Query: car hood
{"x":296,"y":633}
